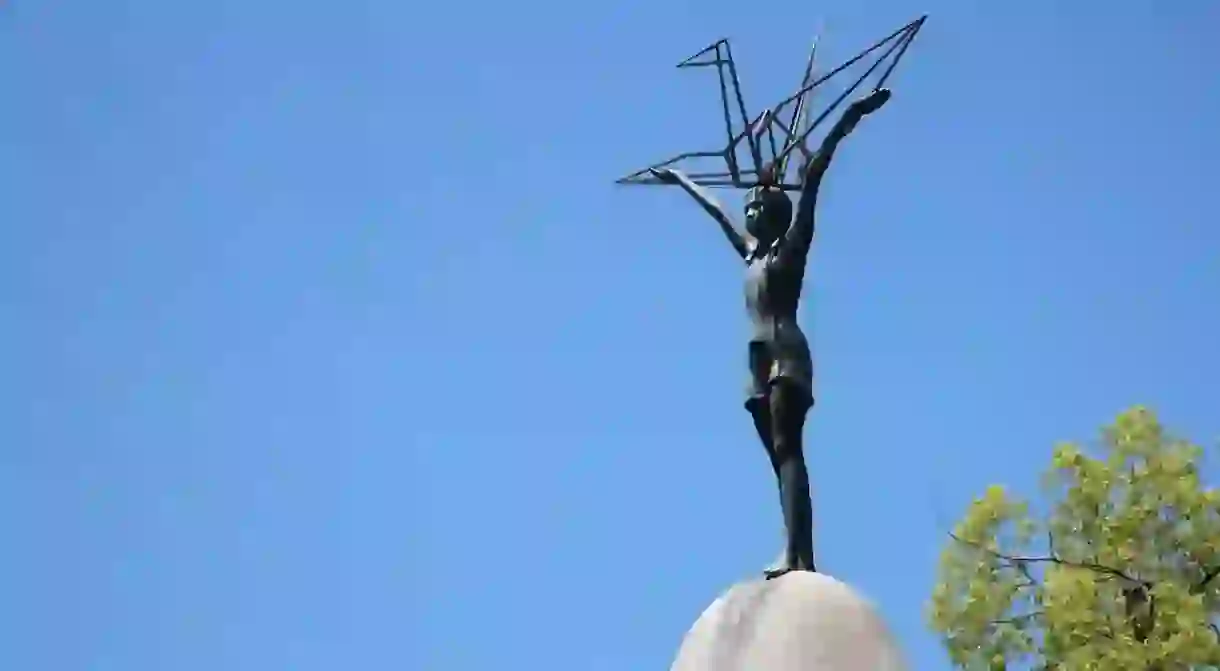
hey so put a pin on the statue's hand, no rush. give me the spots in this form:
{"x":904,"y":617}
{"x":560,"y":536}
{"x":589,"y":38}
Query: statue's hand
{"x":666,"y":175}
{"x":872,"y":102}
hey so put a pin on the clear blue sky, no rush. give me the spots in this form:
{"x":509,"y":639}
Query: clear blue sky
{"x":293,"y":292}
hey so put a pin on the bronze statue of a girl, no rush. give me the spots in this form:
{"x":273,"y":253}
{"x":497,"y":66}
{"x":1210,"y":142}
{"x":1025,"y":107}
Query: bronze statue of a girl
{"x":775,"y":248}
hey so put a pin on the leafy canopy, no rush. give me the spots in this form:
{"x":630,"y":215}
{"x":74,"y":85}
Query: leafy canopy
{"x":1121,"y":572}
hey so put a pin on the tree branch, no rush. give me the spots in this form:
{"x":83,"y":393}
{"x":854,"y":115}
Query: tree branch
{"x":1019,"y":618}
{"x":1021,"y":563}
{"x":1208,"y":576}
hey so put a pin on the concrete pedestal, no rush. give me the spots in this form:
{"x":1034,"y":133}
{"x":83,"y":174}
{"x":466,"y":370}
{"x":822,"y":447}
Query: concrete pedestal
{"x":798,"y":622}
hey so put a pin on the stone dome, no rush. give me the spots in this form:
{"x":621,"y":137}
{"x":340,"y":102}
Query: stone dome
{"x":800,"y":621}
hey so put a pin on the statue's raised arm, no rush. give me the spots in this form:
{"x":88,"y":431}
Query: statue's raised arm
{"x":742,"y":244}
{"x":800,"y":233}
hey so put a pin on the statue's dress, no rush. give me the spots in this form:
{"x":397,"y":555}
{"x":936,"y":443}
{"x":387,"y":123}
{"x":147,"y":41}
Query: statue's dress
{"x":778,"y":349}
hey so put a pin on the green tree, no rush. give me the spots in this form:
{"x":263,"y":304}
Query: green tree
{"x":1120,"y":572}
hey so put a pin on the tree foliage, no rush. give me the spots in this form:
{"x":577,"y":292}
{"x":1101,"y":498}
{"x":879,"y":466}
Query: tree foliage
{"x":1120,"y":572}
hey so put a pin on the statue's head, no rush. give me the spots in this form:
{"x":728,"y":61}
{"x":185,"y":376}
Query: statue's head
{"x":768,"y":213}
{"x":768,"y":209}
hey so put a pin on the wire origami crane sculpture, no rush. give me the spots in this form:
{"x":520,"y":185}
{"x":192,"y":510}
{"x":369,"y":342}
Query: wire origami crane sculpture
{"x":775,"y":134}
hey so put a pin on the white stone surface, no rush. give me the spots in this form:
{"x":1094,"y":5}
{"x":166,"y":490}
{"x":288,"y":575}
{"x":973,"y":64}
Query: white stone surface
{"x":799,"y":622}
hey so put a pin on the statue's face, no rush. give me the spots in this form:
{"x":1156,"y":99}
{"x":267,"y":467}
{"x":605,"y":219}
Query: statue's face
{"x":764,"y":220}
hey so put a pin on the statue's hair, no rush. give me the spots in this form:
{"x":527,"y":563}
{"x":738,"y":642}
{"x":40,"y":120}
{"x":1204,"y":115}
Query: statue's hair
{"x":776,"y":203}
{"x":779,"y":205}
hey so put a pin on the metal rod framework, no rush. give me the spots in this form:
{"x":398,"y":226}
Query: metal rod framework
{"x":793,"y":135}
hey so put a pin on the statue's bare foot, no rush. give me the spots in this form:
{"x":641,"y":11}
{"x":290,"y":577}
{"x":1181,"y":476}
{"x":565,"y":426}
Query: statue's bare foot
{"x":785,"y":568}
{"x":773,"y":573}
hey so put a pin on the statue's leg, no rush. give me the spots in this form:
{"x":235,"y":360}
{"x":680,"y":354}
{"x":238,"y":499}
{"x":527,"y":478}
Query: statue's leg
{"x":758,"y":398}
{"x":760,"y":412}
{"x":758,"y":403}
{"x":789,"y":405}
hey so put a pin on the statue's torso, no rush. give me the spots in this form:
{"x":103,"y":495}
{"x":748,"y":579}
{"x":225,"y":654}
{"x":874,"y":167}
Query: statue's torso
{"x":773,"y":292}
{"x":777,"y":348}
